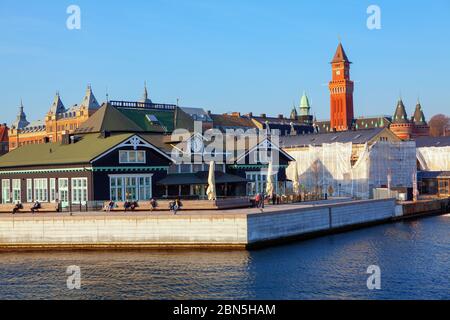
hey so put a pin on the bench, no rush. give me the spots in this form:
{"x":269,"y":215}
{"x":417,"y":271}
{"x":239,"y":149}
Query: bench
{"x":45,"y":207}
{"x":26,"y":208}
{"x":120,"y":206}
{"x":7,"y":207}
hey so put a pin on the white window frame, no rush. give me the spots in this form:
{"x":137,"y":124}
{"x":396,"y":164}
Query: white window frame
{"x":29,"y":190}
{"x":53,"y":196}
{"x":147,"y":188}
{"x":79,"y":192}
{"x":40,"y":189}
{"x":260,"y":180}
{"x":6,"y":191}
{"x":128,"y":160}
{"x":63,"y":188}
{"x":16,"y":191}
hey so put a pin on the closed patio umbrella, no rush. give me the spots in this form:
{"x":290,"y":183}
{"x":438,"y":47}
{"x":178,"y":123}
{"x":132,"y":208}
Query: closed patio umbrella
{"x":211,"y":191}
{"x":296,"y":181}
{"x":270,"y":186}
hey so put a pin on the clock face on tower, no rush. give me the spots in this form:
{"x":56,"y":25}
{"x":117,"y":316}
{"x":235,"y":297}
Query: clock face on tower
{"x":197,"y":145}
{"x":338,"y":72}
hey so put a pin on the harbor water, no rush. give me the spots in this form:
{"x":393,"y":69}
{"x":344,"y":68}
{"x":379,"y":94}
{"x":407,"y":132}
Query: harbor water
{"x":413,"y":257}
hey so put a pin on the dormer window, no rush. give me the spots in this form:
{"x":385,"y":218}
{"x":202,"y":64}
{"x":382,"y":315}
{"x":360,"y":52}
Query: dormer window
{"x":132,"y":156}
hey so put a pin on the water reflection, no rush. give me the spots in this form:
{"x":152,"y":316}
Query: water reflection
{"x":414,"y":258}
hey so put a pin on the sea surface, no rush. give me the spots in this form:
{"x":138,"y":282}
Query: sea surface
{"x":414,"y":260}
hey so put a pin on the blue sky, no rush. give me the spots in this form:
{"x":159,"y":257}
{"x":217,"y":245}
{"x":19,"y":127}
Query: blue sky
{"x":235,"y":55}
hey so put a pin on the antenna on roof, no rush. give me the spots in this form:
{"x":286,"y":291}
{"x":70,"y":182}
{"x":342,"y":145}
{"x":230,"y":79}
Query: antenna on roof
{"x":107,"y":95}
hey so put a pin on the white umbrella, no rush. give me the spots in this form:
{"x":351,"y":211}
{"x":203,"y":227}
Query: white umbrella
{"x":211,"y":191}
{"x":270,"y":187}
{"x":296,"y":181}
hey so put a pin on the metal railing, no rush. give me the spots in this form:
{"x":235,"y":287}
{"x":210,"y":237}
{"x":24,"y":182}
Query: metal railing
{"x":142,"y":105}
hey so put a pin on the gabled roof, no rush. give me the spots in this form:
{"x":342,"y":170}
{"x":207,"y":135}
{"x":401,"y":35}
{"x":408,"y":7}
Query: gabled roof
{"x":108,"y":119}
{"x":361,"y":123}
{"x":57,"y":105}
{"x":86,"y":149}
{"x":89,"y":100}
{"x":340,"y":55}
{"x":197,"y":114}
{"x":318,"y":139}
{"x":424,"y":142}
{"x":225,"y":121}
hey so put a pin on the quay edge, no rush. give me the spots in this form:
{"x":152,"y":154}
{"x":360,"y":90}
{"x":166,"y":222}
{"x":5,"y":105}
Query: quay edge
{"x":237,"y":231}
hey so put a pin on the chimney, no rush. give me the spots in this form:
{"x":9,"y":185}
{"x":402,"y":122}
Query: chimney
{"x":280,"y":116}
{"x":65,"y":139}
{"x":236,"y":114}
{"x":250,"y":115}
{"x":105,"y":134}
{"x":263,"y":115}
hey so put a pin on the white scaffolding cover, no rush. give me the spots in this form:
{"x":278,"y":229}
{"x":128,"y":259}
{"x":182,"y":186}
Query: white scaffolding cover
{"x":434,"y":158}
{"x":320,"y":167}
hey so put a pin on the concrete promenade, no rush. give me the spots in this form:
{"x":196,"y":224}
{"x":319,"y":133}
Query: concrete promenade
{"x":230,"y":229}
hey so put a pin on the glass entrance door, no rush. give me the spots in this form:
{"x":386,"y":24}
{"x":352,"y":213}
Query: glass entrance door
{"x":63,"y":192}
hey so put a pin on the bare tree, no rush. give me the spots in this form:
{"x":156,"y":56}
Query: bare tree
{"x":438,"y":125}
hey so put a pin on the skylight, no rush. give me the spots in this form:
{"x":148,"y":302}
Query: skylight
{"x":151,"y":118}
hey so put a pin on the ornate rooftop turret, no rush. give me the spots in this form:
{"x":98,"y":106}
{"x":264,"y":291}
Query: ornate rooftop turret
{"x":89,"y":101}
{"x":145,"y":98}
{"x":57,"y":106}
{"x":304,"y":106}
{"x":294,"y":114}
{"x":419,"y":116}
{"x":400,"y":115}
{"x":21,"y":120}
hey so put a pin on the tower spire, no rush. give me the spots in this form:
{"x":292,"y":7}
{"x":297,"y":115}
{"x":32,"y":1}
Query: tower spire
{"x":145,"y":98}
{"x":341,"y":92}
{"x":21,"y":119}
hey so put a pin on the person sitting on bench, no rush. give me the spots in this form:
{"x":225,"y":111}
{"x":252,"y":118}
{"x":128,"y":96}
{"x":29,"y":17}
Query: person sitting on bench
{"x":17,"y":207}
{"x":128,"y":205}
{"x":35,"y":207}
{"x":110,"y":206}
{"x":153,"y":204}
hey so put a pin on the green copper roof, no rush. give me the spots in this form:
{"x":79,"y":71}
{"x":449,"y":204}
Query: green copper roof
{"x":150,"y":120}
{"x":304,"y":106}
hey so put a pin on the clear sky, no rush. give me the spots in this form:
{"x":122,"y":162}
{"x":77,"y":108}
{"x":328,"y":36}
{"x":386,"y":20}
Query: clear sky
{"x":229,"y":55}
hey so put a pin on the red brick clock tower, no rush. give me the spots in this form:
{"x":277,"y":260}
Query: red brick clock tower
{"x":341,"y":91}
